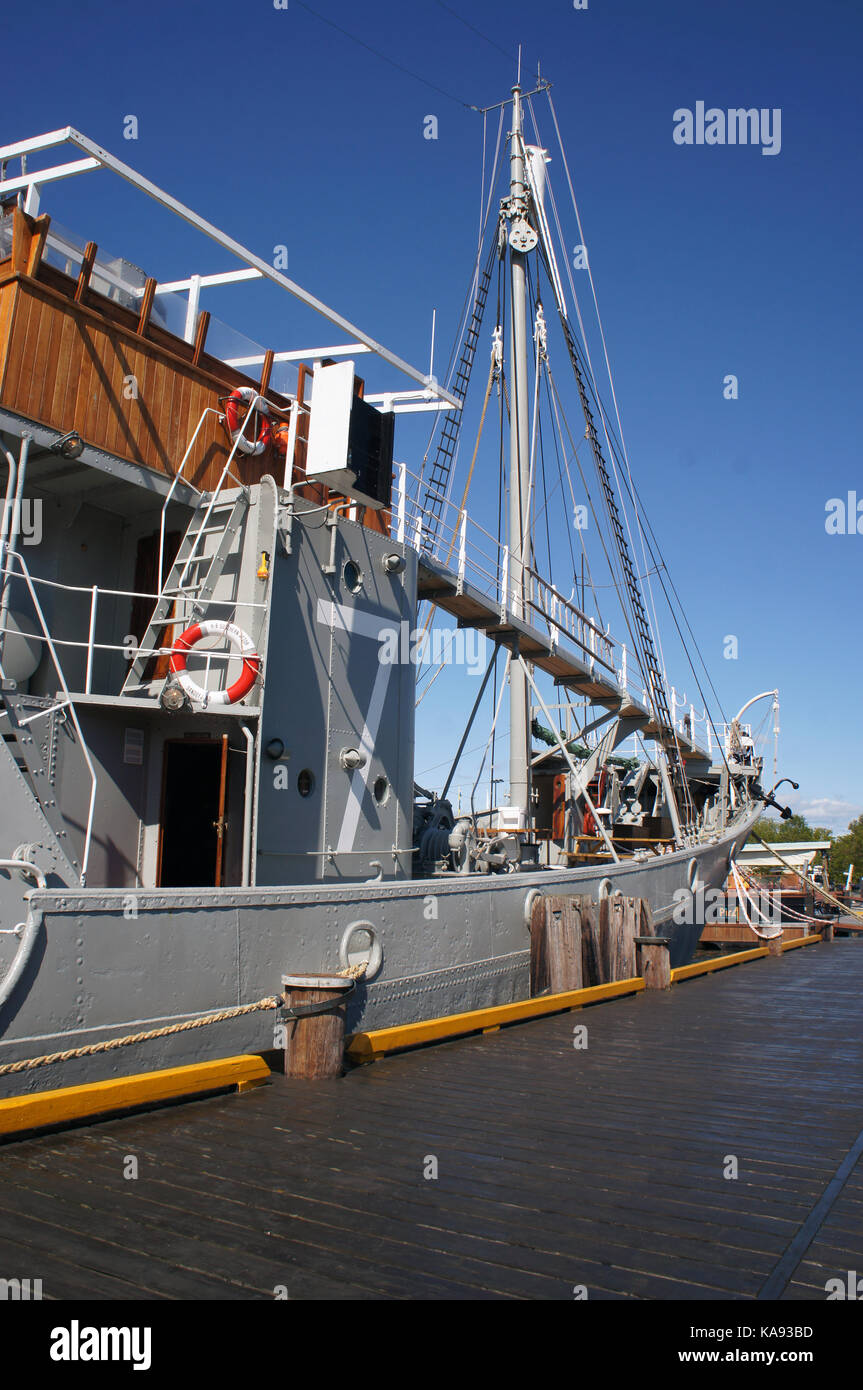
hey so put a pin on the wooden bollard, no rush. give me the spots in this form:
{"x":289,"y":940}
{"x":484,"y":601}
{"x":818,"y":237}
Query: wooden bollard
{"x":315,"y":1042}
{"x":576,"y":942}
{"x":555,"y":945}
{"x":654,"y":961}
{"x":825,"y":929}
{"x":774,"y":945}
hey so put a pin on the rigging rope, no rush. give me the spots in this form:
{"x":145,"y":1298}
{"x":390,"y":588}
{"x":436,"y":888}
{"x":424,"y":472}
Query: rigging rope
{"x":828,"y":897}
{"x":746,"y":903}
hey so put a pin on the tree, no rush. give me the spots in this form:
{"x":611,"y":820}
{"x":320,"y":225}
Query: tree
{"x":847,"y":849}
{"x":797,"y":828}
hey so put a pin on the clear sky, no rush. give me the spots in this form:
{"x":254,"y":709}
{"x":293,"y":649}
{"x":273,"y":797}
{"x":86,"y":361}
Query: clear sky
{"x":709,"y":260}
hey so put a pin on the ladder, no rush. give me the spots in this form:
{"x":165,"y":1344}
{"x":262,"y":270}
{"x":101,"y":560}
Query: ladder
{"x":656,"y":692}
{"x":193,"y":576}
{"x":442,"y":464}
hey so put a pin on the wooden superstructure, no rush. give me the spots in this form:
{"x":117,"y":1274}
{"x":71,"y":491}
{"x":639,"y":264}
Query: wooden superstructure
{"x":73,"y":359}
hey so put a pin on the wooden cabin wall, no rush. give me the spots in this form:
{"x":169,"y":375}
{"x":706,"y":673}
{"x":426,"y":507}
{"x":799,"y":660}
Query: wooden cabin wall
{"x":67,"y":364}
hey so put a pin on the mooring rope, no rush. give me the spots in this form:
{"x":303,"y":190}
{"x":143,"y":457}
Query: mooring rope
{"x":275,"y":1001}
{"x":822,"y":892}
{"x":748,"y":904}
{"x":785,"y":909}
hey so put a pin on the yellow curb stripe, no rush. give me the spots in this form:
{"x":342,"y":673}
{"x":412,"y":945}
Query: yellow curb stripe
{"x":705,"y":967}
{"x":366,"y":1047}
{"x":800,"y":941}
{"x":42,"y":1108}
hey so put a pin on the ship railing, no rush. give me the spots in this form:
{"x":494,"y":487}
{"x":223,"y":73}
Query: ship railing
{"x":129,"y":651}
{"x":210,"y":410}
{"x":561,"y":615}
{"x":451,"y":538}
{"x":11,"y":558}
{"x":444,"y":532}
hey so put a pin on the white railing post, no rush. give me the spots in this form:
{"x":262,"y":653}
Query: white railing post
{"x":462,"y":552}
{"x":400,"y":510}
{"x":623,"y":667}
{"x":94,"y":599}
{"x":418,"y":532}
{"x":292,"y":445}
{"x":192,"y":308}
{"x":504,"y":582}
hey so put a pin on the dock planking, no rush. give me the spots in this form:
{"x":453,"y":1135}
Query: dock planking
{"x":557,"y":1167}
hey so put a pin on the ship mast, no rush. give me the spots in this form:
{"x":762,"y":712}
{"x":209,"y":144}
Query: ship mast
{"x":522,"y":238}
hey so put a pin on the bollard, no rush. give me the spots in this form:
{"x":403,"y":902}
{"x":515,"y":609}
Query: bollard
{"x":556,"y":963}
{"x":654,"y":961}
{"x":315,"y":1037}
{"x":774,"y":945}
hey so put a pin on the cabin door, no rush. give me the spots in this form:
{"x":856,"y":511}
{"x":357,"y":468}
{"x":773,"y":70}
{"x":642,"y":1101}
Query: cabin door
{"x":193,"y":824}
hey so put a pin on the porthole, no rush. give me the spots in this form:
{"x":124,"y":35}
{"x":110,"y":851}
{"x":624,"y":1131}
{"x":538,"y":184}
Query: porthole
{"x":352,"y":577}
{"x":305,"y":782}
{"x":381,"y":791}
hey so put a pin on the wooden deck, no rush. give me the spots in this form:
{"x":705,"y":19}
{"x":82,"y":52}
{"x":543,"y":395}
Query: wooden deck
{"x":556,"y":1167}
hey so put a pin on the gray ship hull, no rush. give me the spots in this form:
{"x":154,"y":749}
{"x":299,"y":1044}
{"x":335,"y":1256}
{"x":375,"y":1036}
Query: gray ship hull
{"x":93,"y":967}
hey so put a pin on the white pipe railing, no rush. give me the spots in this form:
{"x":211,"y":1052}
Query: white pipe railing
{"x":91,"y":646}
{"x":210,"y":410}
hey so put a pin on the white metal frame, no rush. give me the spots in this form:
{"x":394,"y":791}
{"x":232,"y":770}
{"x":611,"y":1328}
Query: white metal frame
{"x":99,"y":158}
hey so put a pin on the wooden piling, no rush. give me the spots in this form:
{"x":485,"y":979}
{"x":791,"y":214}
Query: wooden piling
{"x":556,"y":963}
{"x":594,"y":930}
{"x":654,"y":961}
{"x":652,"y":953}
{"x":576,"y":943}
{"x":315,"y":1042}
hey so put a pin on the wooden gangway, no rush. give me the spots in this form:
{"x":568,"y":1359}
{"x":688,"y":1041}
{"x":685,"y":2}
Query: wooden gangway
{"x":583,"y":672}
{"x":510,"y":1165}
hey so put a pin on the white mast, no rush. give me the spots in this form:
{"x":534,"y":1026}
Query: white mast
{"x":522,"y":238}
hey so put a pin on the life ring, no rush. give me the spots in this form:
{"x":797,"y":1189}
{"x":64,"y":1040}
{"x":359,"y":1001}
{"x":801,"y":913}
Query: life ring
{"x":235,"y":418}
{"x":240,"y":640}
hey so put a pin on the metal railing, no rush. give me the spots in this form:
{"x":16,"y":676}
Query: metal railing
{"x":472,"y":555}
{"x":91,"y":646}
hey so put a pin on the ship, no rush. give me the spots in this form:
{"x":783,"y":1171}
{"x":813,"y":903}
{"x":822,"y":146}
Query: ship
{"x":216,"y":575}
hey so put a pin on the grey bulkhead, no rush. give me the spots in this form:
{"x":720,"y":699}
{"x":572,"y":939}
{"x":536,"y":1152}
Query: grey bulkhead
{"x":328,"y":697}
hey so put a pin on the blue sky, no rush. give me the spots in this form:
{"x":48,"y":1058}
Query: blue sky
{"x":708,"y":260}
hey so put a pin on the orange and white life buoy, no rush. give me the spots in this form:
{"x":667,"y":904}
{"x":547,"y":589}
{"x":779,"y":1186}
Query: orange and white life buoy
{"x":242,"y":643}
{"x":235,"y":417}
